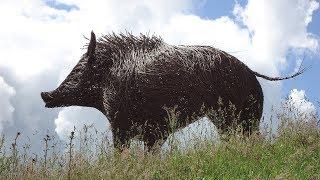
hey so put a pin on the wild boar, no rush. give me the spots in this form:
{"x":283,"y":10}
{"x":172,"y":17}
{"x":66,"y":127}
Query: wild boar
{"x":133,"y":79}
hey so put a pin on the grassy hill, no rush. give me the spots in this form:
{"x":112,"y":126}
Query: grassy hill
{"x":294,"y":153}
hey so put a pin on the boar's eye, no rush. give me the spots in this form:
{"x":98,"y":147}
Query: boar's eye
{"x":91,"y":60}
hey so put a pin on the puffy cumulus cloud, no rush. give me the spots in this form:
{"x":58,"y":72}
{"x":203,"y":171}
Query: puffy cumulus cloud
{"x":6,"y":110}
{"x":222,"y":32}
{"x":193,"y":135}
{"x":277,"y":26}
{"x":75,"y":118}
{"x":298,"y":104}
{"x":27,"y":39}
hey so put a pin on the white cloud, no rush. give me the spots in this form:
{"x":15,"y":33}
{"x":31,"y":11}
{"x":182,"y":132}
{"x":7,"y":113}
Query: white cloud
{"x":298,"y":104}
{"x":276,"y":26}
{"x":77,"y":117}
{"x":6,"y":110}
{"x":222,"y":32}
{"x":193,"y":135}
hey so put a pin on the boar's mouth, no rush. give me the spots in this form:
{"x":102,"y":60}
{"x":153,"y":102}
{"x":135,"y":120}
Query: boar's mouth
{"x":59,"y":98}
{"x":48,"y":99}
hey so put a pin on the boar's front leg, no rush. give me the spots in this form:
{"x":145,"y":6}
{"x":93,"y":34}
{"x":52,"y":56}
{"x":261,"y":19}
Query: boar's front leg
{"x":120,"y":139}
{"x":120,"y":131}
{"x":154,"y":136}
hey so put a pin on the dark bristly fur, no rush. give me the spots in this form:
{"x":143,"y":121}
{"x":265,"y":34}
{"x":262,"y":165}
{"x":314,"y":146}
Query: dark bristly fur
{"x":131,"y":79}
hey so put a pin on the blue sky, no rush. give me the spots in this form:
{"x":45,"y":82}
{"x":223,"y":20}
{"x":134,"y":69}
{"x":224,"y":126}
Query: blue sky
{"x":60,"y":6}
{"x":49,"y":38}
{"x":215,"y":8}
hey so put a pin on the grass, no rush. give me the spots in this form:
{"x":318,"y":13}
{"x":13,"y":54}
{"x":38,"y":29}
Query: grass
{"x":294,"y":153}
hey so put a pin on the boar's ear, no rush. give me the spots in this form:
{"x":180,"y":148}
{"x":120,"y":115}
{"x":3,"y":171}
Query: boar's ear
{"x":92,"y":47}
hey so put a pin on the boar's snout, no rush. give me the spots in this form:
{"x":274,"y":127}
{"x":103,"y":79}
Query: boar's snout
{"x":47,"y":98}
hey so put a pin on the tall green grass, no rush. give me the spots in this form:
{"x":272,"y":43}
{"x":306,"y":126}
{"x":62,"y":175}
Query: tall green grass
{"x":293,"y":153}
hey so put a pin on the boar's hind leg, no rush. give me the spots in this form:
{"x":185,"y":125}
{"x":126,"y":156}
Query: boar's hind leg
{"x":251,"y":114}
{"x":153,"y":143}
{"x":154,"y":139}
{"x":120,"y":139}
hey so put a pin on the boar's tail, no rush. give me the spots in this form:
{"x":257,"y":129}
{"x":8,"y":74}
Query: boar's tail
{"x":279,"y":78}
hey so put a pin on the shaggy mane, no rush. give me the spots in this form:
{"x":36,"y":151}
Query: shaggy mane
{"x":128,"y":42}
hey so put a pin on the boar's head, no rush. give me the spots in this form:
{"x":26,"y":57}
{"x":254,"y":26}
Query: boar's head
{"x":83,"y":86}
